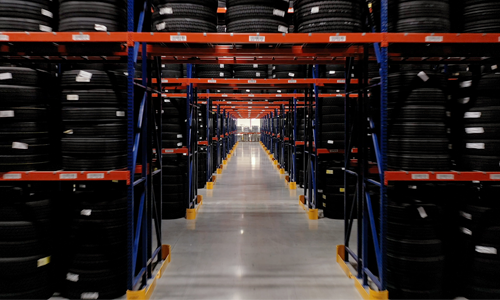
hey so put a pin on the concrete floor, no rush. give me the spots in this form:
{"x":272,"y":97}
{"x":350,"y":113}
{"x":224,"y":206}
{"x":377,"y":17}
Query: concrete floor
{"x":252,"y":240}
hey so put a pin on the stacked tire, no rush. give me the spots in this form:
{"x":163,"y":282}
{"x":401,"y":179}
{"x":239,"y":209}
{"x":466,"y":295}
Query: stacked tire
{"x":202,"y":166}
{"x":481,"y":16}
{"x":202,"y":123}
{"x":331,"y":181}
{"x":172,"y":71}
{"x":479,"y":243}
{"x":214,"y":71}
{"x":328,"y":16}
{"x":289,"y":71}
{"x":250,"y":71}
{"x":19,"y":16}
{"x":90,"y":16}
{"x":174,"y":202}
{"x":257,"y":16}
{"x":24,"y":115}
{"x":185,"y":16}
{"x":94,"y":103}
{"x":419,"y":16}
{"x":418,"y":125}
{"x":26,"y":241}
{"x":415,"y":246}
{"x":482,"y":126}
{"x":174,"y":123}
{"x":331,"y":130}
{"x":96,"y":260}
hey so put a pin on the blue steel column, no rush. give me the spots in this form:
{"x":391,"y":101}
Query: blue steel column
{"x":130,"y":146}
{"x":209,"y":140}
{"x":293,"y":176}
{"x":189,"y":136}
{"x":384,"y":80}
{"x":315,"y":135}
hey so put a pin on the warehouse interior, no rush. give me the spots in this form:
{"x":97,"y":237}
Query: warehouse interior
{"x":249,"y":149}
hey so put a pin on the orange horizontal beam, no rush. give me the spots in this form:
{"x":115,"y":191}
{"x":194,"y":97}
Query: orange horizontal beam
{"x":441,"y":176}
{"x":55,"y":37}
{"x":445,"y":38}
{"x":66,"y":176}
{"x":254,"y":81}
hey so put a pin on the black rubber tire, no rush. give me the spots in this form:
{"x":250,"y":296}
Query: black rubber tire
{"x":185,"y":10}
{"x":93,"y":114}
{"x":33,"y":145}
{"x":480,"y":115}
{"x":327,"y":9}
{"x":418,"y":129}
{"x":99,"y":79}
{"x":103,"y":97}
{"x":254,"y":67}
{"x":92,"y":9}
{"x":424,"y":24}
{"x":418,"y":113}
{"x":418,"y":145}
{"x":184,"y":25}
{"x":103,"y":163}
{"x":8,"y":24}
{"x":105,"y":146}
{"x":279,"y":4}
{"x":96,"y":130}
{"x":174,"y":210}
{"x":22,"y":76}
{"x":420,"y":162}
{"x":250,"y":74}
{"x":88,"y":24}
{"x":208,"y":3}
{"x":289,"y":74}
{"x":241,"y":12}
{"x":26,"y":114}
{"x":20,"y":95}
{"x":214,"y":74}
{"x":331,"y":25}
{"x":256,"y":25}
{"x":36,"y":162}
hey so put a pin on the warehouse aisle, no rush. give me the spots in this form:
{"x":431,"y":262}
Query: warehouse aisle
{"x":251,"y":240}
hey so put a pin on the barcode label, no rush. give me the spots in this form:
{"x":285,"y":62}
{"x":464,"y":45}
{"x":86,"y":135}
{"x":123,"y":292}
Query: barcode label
{"x":81,"y":37}
{"x":72,"y":97}
{"x":257,"y":38}
{"x":95,"y":176}
{"x":445,"y":176}
{"x":434,"y":39}
{"x":495,"y":176}
{"x":292,"y":81}
{"x":12,"y":176}
{"x":252,"y":81}
{"x":68,"y":176}
{"x":212,"y":81}
{"x":420,"y":176}
{"x":339,"y":38}
{"x":43,"y":262}
{"x":168,"y":151}
{"x":178,"y":38}
{"x":4,"y":37}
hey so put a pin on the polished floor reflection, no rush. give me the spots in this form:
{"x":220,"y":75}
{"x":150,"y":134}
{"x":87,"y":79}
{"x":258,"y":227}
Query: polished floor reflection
{"x":251,"y":240}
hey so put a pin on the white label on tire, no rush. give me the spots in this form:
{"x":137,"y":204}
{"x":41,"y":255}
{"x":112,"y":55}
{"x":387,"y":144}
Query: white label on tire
{"x":120,"y":114}
{"x":466,"y":84}
{"x":4,"y":37}
{"x":257,"y":74}
{"x":179,"y":136}
{"x":95,"y":176}
{"x":332,"y":72}
{"x":83,"y":76}
{"x":7,"y":114}
{"x":72,"y":97}
{"x":255,"y":66}
{"x":494,"y":67}
{"x":315,"y":10}
{"x":329,"y":172}
{"x":21,"y":146}
{"x":43,"y":262}
{"x":472,"y":130}
{"x":5,"y":76}
{"x":99,"y":27}
{"x":89,"y":295}
{"x":221,"y":66}
{"x":47,"y":13}
{"x":291,"y":74}
{"x":161,"y":26}
{"x":420,"y":176}
{"x":282,"y":28}
{"x":221,"y":74}
{"x":466,"y":215}
{"x":472,"y":115}
{"x":330,"y":142}
{"x":68,"y":176}
{"x":45,"y":28}
{"x":179,"y":144}
{"x":257,"y":38}
{"x":72,"y":277}
{"x":278,"y":12}
{"x":86,"y":212}
{"x":486,"y":250}
{"x":422,"y":75}
{"x":166,"y":11}
{"x":467,"y":231}
{"x":12,"y":176}
{"x":422,"y":212}
{"x":480,"y":146}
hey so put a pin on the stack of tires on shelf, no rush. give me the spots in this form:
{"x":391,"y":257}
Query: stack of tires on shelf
{"x":331,"y":123}
{"x":26,"y":242}
{"x":202,"y":149}
{"x":418,"y":122}
{"x":289,"y":71}
{"x":94,"y":261}
{"x":250,"y":71}
{"x":174,"y":165}
{"x":20,"y":16}
{"x":24,"y":119}
{"x":257,"y":16}
{"x":185,"y":16}
{"x":214,"y":71}
{"x":94,"y":118}
{"x":89,"y":16}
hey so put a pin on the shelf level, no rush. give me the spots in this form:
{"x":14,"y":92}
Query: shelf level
{"x":440,"y":176}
